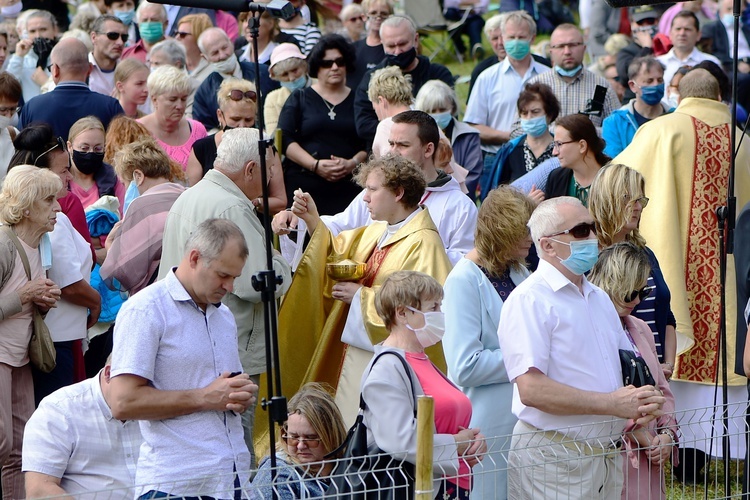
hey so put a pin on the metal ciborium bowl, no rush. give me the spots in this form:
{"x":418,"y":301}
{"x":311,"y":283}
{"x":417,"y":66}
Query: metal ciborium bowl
{"x":346,"y":270}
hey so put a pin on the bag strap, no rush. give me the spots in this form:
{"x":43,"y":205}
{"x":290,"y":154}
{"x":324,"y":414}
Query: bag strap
{"x":12,"y":235}
{"x":407,"y":369}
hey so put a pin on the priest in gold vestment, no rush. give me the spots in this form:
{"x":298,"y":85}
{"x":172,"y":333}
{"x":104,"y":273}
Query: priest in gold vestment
{"x":684,"y":158}
{"x":326,"y":328}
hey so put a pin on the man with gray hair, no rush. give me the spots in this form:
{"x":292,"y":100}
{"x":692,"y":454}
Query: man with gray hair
{"x":29,"y":61}
{"x":152,"y":24}
{"x":175,"y":368}
{"x":218,"y":50}
{"x":560,"y":337}
{"x":400,"y":42}
{"x":226,"y":192}
{"x":72,"y":99}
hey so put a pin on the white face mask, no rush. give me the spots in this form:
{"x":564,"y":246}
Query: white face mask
{"x":433,"y":330}
{"x":227,"y":66}
{"x":12,"y":11}
{"x":6,"y":121}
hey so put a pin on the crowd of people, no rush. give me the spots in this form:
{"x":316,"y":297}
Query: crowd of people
{"x":511,"y":261}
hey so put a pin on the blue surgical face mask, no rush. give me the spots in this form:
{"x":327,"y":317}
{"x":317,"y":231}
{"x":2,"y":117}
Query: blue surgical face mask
{"x":728,"y":19}
{"x":517,"y":49}
{"x":535,"y":126}
{"x":299,"y":83}
{"x":126,"y":16}
{"x":570,"y":73}
{"x":442,"y":119}
{"x":583,"y":255}
{"x":652,"y":94}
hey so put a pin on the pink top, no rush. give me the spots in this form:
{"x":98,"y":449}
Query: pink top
{"x":89,"y":197}
{"x":228,"y":23}
{"x":181,"y":153}
{"x":452,"y":407}
{"x":15,"y":331}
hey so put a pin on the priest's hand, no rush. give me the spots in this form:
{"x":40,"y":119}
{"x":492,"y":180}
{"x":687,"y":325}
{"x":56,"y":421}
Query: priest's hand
{"x":304,"y":207}
{"x":344,"y":291}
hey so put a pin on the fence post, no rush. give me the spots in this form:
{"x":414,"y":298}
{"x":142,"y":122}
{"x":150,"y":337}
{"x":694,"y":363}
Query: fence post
{"x":425,"y":435}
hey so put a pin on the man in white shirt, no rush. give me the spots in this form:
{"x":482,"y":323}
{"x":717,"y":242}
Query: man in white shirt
{"x":492,"y":104}
{"x":414,"y":135}
{"x":109,"y":35}
{"x":685,"y":33}
{"x":560,"y":337}
{"x":73,"y":446}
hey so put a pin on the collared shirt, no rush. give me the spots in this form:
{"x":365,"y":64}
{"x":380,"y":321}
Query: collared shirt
{"x":743,"y":51}
{"x":99,"y":80}
{"x":164,"y":337}
{"x":23,"y":68}
{"x":73,"y":436}
{"x":137,"y":50}
{"x":571,"y":337}
{"x":672,"y":63}
{"x":494,"y":97}
{"x":575,"y":95}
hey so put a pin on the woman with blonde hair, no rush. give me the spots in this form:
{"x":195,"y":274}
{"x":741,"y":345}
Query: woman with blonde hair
{"x":130,"y":86}
{"x":616,"y":202}
{"x":474,"y":294}
{"x":188,"y":30}
{"x":314,"y":429}
{"x":169,"y":88}
{"x":390,"y":93}
{"x":622,"y":272}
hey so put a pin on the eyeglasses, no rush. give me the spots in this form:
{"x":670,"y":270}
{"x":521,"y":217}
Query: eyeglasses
{"x":328,"y":63}
{"x":291,"y":440}
{"x":557,"y":144}
{"x":578,"y":231}
{"x":10,"y":109}
{"x":563,"y":46}
{"x":181,"y":34}
{"x":238,"y":95}
{"x":59,"y":144}
{"x":378,"y":15}
{"x":113,"y":35}
{"x":641,"y":294}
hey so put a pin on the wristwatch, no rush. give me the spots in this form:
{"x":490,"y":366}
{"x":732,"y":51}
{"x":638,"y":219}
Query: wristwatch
{"x":669,"y":433}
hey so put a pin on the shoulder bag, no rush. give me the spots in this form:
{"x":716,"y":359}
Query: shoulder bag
{"x":635,"y":371}
{"x":42,"y":352}
{"x":367,"y":472}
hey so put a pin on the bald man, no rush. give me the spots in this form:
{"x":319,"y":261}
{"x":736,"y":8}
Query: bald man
{"x":72,"y":99}
{"x":684,"y":158}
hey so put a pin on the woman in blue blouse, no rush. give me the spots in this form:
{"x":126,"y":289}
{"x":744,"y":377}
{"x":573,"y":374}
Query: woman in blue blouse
{"x":474,"y":294}
{"x":616,"y":201}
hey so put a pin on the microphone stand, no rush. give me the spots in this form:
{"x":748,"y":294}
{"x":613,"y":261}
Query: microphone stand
{"x":266,"y":281}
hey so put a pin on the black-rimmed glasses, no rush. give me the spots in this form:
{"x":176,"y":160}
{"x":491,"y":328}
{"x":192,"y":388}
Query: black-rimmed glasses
{"x":578,"y":231}
{"x":557,"y":144}
{"x":59,"y":144}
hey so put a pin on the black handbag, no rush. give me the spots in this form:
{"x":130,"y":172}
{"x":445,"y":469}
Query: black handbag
{"x":367,"y":472}
{"x":635,"y":370}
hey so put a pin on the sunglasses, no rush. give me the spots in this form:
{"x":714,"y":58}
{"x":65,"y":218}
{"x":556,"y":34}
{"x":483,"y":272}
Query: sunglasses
{"x":328,"y":63}
{"x":59,"y":144}
{"x":181,"y":34}
{"x":641,"y":294}
{"x":642,"y":200}
{"x":238,"y":95}
{"x":295,"y":440}
{"x":578,"y":231}
{"x":113,"y":35}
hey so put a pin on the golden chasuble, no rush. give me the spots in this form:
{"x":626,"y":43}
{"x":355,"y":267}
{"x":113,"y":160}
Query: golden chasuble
{"x":311,"y":321}
{"x":684,"y":158}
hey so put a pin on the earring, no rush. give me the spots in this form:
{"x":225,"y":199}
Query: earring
{"x":26,"y":213}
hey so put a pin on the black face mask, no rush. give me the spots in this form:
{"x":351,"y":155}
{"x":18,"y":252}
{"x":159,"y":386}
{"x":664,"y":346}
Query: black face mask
{"x":88,"y":163}
{"x":403,"y":60}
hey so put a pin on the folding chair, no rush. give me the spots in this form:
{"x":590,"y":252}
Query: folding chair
{"x":428,"y":16}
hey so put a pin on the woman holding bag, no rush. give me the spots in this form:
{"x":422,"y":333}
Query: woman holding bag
{"x":28,"y":209}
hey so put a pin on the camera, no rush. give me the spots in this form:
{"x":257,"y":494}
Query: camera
{"x":281,"y":9}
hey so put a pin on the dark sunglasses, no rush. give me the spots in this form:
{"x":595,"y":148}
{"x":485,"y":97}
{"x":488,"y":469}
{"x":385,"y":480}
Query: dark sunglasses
{"x":181,"y":34}
{"x":328,"y":63}
{"x":59,"y":144}
{"x":113,"y":35}
{"x":238,"y":95}
{"x":579,"y":231}
{"x":641,"y":294}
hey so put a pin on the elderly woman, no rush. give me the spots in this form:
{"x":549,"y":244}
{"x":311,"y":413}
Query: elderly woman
{"x":353,"y":19}
{"x":474,"y":294}
{"x":320,"y":140}
{"x":28,"y":209}
{"x":10,"y":96}
{"x":581,"y":154}
{"x":616,"y":203}
{"x":168,"y":89}
{"x":622,"y":271}
{"x":289,"y":68}
{"x":406,"y":238}
{"x":537,"y":108}
{"x":408,"y":303}
{"x":134,"y":247}
{"x":439,"y":100}
{"x":188,"y":30}
{"x":314,"y":429}
{"x":130,"y":86}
